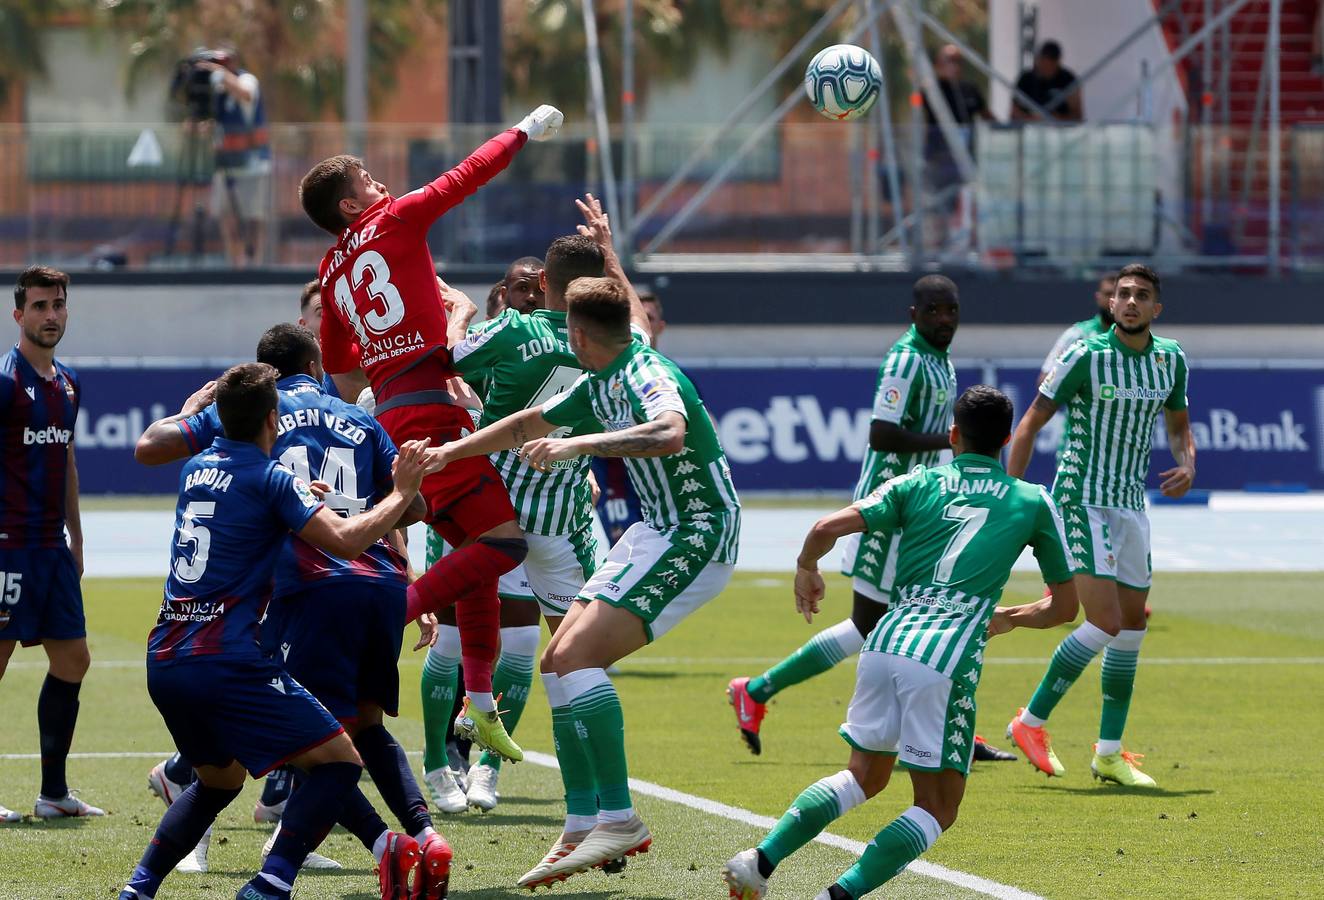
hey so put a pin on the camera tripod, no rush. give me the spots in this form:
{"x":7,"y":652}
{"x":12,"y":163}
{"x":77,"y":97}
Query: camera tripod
{"x":192,"y":162}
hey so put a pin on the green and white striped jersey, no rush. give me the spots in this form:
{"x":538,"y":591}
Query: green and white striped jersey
{"x":1082,"y":330}
{"x":1112,"y":395}
{"x":963,"y":525}
{"x":522,"y":360}
{"x":916,"y":390}
{"x":688,"y":495}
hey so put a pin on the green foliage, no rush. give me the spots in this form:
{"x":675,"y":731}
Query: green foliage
{"x":295,"y":46}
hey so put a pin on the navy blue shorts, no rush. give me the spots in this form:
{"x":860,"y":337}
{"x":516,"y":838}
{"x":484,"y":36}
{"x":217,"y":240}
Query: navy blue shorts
{"x":341,"y":640}
{"x":40,"y":597}
{"x":250,"y":710}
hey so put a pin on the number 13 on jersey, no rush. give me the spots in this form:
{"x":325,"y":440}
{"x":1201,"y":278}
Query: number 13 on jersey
{"x":370,"y":268}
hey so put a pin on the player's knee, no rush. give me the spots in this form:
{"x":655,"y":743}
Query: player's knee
{"x":515,"y":547}
{"x":1109,"y":622}
{"x":72,"y":663}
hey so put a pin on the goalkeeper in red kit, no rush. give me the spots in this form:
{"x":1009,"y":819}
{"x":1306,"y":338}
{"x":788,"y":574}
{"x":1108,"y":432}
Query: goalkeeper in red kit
{"x":384,"y":324}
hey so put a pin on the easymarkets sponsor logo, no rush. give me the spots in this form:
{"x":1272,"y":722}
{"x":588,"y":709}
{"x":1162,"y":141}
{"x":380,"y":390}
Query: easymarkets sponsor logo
{"x":1113,"y":392}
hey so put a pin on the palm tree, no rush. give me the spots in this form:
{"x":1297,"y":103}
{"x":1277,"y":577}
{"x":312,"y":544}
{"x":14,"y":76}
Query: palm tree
{"x":295,"y":45}
{"x":21,"y":22}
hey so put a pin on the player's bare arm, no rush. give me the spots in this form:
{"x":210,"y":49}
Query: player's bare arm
{"x":1178,"y":480}
{"x":349,"y":537}
{"x":663,"y":436}
{"x":506,"y":434}
{"x":889,"y":437}
{"x":460,"y":311}
{"x":73,"y":519}
{"x":822,"y":537}
{"x":1058,"y":608}
{"x":351,"y":383}
{"x":597,"y":227}
{"x":1022,"y":441}
{"x":162,"y":441}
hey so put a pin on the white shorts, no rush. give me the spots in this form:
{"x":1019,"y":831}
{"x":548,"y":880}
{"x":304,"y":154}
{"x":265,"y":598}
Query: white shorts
{"x":556,"y":568}
{"x":514,"y":585}
{"x":1110,"y":543}
{"x":905,"y":707}
{"x":656,"y":578}
{"x":870,"y":562}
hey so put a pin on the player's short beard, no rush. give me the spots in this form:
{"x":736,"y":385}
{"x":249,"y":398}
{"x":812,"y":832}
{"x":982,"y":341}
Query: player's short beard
{"x":1106,"y":316}
{"x":1134,"y":329}
{"x":38,"y":338}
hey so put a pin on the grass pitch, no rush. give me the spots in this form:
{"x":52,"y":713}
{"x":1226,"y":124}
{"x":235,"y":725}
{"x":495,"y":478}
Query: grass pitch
{"x":1228,"y":711}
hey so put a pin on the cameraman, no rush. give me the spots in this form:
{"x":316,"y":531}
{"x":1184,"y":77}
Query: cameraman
{"x":241,"y":186}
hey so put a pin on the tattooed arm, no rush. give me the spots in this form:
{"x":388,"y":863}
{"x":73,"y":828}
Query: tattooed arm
{"x":506,"y":434}
{"x":663,"y":436}
{"x":1022,"y":442}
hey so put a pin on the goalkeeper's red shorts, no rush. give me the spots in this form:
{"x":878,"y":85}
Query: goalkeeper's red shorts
{"x":468,"y":497}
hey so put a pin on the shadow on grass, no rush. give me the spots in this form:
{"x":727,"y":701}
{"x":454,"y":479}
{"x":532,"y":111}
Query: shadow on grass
{"x":1117,"y":790}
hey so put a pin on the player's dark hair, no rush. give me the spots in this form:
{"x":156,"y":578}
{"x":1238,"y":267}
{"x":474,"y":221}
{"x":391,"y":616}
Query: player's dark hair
{"x":983,"y":415}
{"x":647,"y":296}
{"x":245,"y":396}
{"x":524,"y":262}
{"x":496,"y":300}
{"x":1138,"y":270}
{"x":288,"y":349}
{"x":600,"y":306}
{"x":1051,"y":50}
{"x":325,"y":185}
{"x":309,"y":292}
{"x":570,"y":257}
{"x":38,"y":276}
{"x":935,"y":288}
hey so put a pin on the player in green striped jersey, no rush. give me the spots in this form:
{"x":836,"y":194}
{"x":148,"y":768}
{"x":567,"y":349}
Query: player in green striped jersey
{"x":1098,"y":323}
{"x":962,"y":526}
{"x":680,"y":557}
{"x":525,"y":359}
{"x":1114,"y":386}
{"x":912,"y":412}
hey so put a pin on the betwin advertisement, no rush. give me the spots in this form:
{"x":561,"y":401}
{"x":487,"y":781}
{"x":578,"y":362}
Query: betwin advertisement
{"x":805,"y":429}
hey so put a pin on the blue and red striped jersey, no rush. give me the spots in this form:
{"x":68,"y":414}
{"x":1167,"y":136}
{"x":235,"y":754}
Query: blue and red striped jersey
{"x":236,"y":505}
{"x":322,"y":438}
{"x":36,"y":430}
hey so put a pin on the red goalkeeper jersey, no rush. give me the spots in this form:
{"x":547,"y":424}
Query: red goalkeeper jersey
{"x":381,"y":307}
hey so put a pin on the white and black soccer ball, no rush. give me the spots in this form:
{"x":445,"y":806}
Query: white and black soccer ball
{"x":843,"y":81}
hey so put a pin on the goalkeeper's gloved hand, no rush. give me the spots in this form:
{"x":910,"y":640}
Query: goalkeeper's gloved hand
{"x":542,"y":124}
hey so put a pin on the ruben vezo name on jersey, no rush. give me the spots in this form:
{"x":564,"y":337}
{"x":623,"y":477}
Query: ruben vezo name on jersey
{"x":48,"y":435}
{"x":315,"y":418}
{"x":212,"y":478}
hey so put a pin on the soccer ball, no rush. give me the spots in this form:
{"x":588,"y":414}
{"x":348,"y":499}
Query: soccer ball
{"x":843,"y":81}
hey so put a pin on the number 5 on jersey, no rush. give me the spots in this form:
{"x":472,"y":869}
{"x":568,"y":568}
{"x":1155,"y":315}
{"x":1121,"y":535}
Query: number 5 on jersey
{"x":380,"y":290}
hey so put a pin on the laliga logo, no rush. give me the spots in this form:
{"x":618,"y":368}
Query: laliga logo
{"x":891,"y":396}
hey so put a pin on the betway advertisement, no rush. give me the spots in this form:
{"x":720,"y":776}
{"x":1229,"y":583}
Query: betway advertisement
{"x":805,"y":428}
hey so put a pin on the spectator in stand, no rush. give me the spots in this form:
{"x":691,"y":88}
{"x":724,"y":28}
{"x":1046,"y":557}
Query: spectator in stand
{"x":966,"y":104}
{"x":1045,"y":84}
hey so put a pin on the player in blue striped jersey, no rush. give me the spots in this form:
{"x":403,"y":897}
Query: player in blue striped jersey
{"x":228,"y":706}
{"x":41,"y":601}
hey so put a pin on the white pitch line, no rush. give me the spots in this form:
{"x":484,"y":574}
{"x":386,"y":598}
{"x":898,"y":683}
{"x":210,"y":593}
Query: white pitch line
{"x":1000,"y":660}
{"x":701,"y":804}
{"x":765,"y":660}
{"x":736,"y":814}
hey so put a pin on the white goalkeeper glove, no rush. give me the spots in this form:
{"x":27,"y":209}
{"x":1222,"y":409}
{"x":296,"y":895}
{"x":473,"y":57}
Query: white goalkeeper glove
{"x":542,"y":124}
